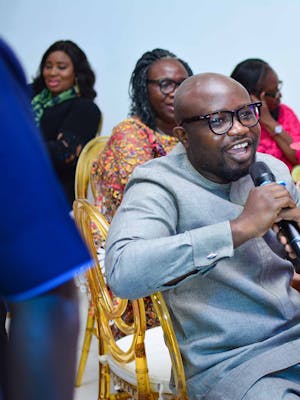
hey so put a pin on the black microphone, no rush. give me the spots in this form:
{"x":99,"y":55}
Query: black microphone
{"x":261,"y":175}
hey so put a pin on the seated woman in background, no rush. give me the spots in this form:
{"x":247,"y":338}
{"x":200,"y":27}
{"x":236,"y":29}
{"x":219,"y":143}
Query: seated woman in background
{"x":64,"y":109}
{"x":147,"y":133}
{"x":280,"y":127}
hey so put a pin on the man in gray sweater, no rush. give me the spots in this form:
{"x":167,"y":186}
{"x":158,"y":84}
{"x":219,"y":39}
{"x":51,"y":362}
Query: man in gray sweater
{"x":193,"y":225}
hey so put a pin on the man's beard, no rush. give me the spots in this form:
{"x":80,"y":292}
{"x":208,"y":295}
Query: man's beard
{"x":234,"y":174}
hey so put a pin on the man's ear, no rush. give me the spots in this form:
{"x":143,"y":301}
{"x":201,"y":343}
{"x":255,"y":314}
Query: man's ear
{"x":181,"y":135}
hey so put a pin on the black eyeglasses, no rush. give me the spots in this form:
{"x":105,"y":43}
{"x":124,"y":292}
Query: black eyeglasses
{"x":166,"y":86}
{"x":276,"y":93}
{"x":220,"y":122}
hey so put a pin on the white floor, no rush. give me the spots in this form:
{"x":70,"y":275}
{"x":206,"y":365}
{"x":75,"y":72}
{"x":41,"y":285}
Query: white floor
{"x":89,"y":387}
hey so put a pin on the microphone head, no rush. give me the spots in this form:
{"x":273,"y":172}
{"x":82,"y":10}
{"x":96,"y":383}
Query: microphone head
{"x":261,"y":174}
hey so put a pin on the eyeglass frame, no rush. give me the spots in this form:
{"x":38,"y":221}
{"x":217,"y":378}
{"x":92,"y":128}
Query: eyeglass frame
{"x":278,"y":90}
{"x":234,"y":113}
{"x":160,"y":81}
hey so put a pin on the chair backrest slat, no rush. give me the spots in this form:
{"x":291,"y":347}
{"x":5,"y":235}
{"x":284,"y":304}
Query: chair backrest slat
{"x":84,"y":165}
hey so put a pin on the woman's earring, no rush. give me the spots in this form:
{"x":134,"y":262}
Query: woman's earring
{"x":76,"y":87}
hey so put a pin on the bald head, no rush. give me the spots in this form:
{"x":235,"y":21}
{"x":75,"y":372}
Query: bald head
{"x":220,"y":157}
{"x":202,"y":92}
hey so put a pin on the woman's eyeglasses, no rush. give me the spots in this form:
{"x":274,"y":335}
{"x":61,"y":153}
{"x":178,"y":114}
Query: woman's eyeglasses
{"x":220,"y":122}
{"x":166,"y":86}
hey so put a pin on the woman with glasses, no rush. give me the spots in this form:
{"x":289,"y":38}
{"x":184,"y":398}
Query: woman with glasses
{"x":147,"y":133}
{"x":280,"y":127}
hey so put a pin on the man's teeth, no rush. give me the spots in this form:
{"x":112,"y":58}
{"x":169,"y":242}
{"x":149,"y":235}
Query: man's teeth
{"x":240,"y":146}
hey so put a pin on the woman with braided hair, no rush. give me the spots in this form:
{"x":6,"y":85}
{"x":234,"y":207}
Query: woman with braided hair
{"x":147,"y":133}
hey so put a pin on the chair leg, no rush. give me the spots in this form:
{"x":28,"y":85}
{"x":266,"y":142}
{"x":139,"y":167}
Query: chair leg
{"x":89,"y":331}
{"x":103,"y":370}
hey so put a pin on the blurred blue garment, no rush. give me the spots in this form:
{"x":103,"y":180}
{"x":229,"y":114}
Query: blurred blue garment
{"x":40,"y":247}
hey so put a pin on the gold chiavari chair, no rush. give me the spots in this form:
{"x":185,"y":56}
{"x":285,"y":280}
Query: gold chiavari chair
{"x":85,"y":161}
{"x":140,"y":363}
{"x":84,"y":188}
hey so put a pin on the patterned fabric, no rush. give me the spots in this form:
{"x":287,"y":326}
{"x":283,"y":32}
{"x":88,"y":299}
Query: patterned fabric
{"x":44,"y":100}
{"x":291,"y":124}
{"x":132,"y":143}
{"x":151,"y":317}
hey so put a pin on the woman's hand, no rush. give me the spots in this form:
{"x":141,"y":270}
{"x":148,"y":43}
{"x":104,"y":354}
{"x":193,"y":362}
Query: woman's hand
{"x":72,"y":156}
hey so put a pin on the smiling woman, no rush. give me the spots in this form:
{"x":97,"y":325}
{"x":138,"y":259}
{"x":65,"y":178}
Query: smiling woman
{"x":64,"y":108}
{"x":58,"y":72}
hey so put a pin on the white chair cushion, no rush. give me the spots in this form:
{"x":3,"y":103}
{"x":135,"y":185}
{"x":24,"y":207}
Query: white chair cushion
{"x":158,"y":360}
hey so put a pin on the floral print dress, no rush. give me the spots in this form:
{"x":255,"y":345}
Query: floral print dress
{"x":132,"y":143}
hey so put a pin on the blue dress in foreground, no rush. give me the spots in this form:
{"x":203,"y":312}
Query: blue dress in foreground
{"x":40,"y":247}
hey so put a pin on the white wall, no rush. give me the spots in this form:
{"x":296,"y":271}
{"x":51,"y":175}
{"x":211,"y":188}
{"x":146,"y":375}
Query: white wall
{"x":211,"y":35}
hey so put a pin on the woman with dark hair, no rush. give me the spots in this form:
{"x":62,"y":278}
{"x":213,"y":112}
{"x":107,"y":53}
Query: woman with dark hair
{"x":280,"y":127}
{"x":64,"y":109}
{"x":147,"y":133}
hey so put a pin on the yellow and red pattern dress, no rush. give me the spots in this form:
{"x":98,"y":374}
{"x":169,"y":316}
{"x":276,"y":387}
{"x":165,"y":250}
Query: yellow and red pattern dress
{"x":132,"y":143}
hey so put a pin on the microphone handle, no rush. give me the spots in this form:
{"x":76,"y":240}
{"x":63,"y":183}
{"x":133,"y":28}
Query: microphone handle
{"x":291,"y":231}
{"x":262,"y":175}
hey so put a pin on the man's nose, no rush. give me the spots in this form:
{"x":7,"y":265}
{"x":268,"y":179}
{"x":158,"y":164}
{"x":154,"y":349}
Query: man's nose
{"x":237,"y":128}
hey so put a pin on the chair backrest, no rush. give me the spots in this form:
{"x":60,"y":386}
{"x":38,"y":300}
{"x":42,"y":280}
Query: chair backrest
{"x":109,"y":309}
{"x":84,"y":165}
